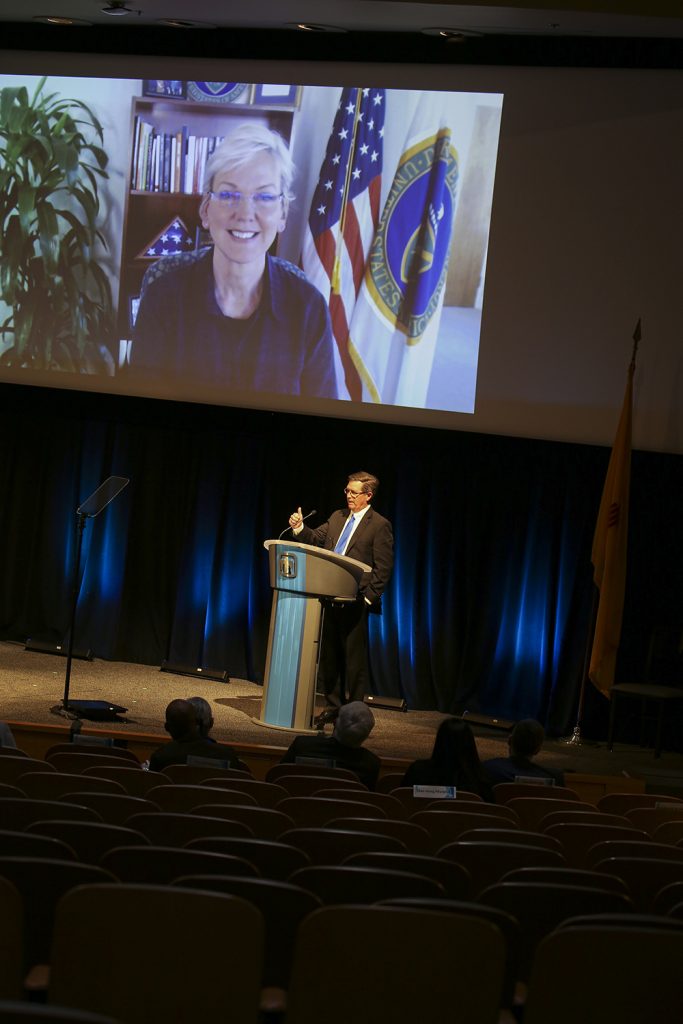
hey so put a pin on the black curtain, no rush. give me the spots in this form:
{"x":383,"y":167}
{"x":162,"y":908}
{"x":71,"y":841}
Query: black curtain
{"x":489,"y":606}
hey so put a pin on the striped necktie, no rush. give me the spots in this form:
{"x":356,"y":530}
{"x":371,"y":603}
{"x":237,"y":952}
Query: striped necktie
{"x":345,"y":534}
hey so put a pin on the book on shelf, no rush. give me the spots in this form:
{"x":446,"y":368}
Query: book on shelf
{"x":169,"y":161}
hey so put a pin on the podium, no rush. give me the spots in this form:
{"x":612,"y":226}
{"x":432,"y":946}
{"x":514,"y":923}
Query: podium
{"x":301,"y":575}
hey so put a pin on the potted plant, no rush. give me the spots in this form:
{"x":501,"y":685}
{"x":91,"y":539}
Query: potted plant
{"x":55,"y":296}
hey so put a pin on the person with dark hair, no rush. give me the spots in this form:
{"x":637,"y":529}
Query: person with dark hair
{"x":343,"y":749}
{"x":186,"y":741}
{"x":361,"y":533}
{"x":6,"y":737}
{"x":454,"y":762}
{"x":525,"y":741}
{"x":204,"y":716}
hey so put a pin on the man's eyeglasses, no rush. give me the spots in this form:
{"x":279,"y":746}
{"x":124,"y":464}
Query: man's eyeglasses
{"x":356,"y":494}
{"x":259,"y":200}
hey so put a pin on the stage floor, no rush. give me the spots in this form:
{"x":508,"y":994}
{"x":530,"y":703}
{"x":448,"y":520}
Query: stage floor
{"x":32,"y":685}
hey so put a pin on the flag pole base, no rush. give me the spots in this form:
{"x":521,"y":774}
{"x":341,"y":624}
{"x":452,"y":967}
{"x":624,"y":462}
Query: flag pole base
{"x":575,"y":739}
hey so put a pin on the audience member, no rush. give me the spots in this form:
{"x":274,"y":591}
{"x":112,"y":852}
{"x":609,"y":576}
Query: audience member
{"x":525,"y":741}
{"x":204,"y":717}
{"x":187,"y":740}
{"x":454,"y":762}
{"x":6,"y":737}
{"x":343,"y":749}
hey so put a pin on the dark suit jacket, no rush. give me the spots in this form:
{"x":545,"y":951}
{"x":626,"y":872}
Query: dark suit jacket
{"x":372,"y":543}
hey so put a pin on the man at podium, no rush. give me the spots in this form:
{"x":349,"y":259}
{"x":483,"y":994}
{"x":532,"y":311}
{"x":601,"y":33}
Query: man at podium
{"x":361,"y":533}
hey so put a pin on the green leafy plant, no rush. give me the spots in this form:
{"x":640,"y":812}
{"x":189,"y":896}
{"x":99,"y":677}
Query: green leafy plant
{"x":57,"y":297}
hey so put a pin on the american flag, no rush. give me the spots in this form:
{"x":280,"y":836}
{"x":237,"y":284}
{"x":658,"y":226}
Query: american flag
{"x":345,"y":212}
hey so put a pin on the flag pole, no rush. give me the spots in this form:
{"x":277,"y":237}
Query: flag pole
{"x":336,"y":272}
{"x":575,"y":739}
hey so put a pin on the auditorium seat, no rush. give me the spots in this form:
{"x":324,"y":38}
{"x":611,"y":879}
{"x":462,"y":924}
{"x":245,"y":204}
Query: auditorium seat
{"x":599,"y":974}
{"x":567,"y":876}
{"x":120,"y":753}
{"x":668,"y":897}
{"x":313,"y":811}
{"x":17,"y":1012}
{"x":532,"y":809}
{"x":454,"y":878}
{"x":650,"y":818}
{"x":279,"y":771}
{"x":167,"y":829}
{"x":114,"y":808}
{"x":13,"y":767}
{"x":160,"y":865}
{"x":511,"y":835}
{"x":11,"y":940}
{"x":27,"y":844}
{"x":505,"y":791}
{"x":332,"y":846}
{"x":392,"y":807}
{"x":488,"y":862}
{"x":195,"y":774}
{"x":429,"y":967}
{"x":540,"y":907}
{"x":311,"y":785}
{"x":620,"y":803}
{"x":6,"y":790}
{"x":41,"y":882}
{"x":446,"y":827}
{"x":577,"y":838}
{"x":570,"y":816}
{"x":77,"y":761}
{"x":389,"y":781}
{"x":273,"y":859}
{"x":640,"y":846}
{"x":670,"y":832}
{"x":179,"y":797}
{"x":213,"y":942}
{"x":266,"y":794}
{"x":413,"y":803}
{"x":485,"y":810}
{"x":90,"y":839}
{"x":51,"y":785}
{"x":17,"y":814}
{"x":506,"y":924}
{"x":264,"y":822}
{"x":644,"y":876}
{"x":341,"y":883}
{"x":283,"y":906}
{"x":416,"y":838}
{"x":135,"y":781}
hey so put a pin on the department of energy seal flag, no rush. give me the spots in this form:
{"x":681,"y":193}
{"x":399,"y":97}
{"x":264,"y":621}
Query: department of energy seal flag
{"x":344,"y":215}
{"x":396,"y":319}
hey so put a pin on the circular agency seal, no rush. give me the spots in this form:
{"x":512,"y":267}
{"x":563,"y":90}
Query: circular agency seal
{"x":409,"y":256}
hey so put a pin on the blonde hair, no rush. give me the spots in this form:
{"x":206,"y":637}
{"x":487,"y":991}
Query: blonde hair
{"x":246,"y":142}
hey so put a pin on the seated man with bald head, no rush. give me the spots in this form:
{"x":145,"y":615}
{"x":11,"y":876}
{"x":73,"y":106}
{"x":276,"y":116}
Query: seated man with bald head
{"x":187,"y":741}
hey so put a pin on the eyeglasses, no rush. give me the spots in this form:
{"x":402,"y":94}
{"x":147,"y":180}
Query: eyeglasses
{"x":356,"y":494}
{"x":259,"y":200}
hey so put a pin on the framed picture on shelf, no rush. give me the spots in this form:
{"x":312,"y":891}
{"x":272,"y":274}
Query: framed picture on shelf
{"x":159,"y":87}
{"x":217,"y":92}
{"x":276,"y":95}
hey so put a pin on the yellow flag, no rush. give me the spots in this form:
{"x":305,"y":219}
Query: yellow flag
{"x":609,"y":550}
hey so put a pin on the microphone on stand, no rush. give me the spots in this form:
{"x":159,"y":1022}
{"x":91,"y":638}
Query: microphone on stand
{"x":307,"y":516}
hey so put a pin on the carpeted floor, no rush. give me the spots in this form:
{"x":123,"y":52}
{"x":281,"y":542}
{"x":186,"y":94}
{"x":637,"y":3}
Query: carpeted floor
{"x":32,"y":687}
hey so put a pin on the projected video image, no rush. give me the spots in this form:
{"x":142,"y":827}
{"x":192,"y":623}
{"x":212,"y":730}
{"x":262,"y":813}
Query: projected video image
{"x":230,"y":242}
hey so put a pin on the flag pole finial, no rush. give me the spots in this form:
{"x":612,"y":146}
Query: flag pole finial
{"x":637,"y":334}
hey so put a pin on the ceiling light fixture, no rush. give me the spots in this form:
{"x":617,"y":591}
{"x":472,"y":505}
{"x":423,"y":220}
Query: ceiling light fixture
{"x":310,"y":26}
{"x":58,"y":19}
{"x":452,"y":35}
{"x":182,"y":23}
{"x":118,"y":9}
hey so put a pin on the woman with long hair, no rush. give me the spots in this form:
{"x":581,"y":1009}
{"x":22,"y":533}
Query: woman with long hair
{"x":454,"y":762}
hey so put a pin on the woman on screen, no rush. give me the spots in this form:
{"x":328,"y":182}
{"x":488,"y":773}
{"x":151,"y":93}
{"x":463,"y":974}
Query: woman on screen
{"x":232,"y":316}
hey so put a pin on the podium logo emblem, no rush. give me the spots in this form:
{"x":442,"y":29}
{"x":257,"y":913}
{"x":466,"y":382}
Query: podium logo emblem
{"x":288,"y":568}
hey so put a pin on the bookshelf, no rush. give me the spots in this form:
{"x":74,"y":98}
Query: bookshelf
{"x":165,"y":176}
